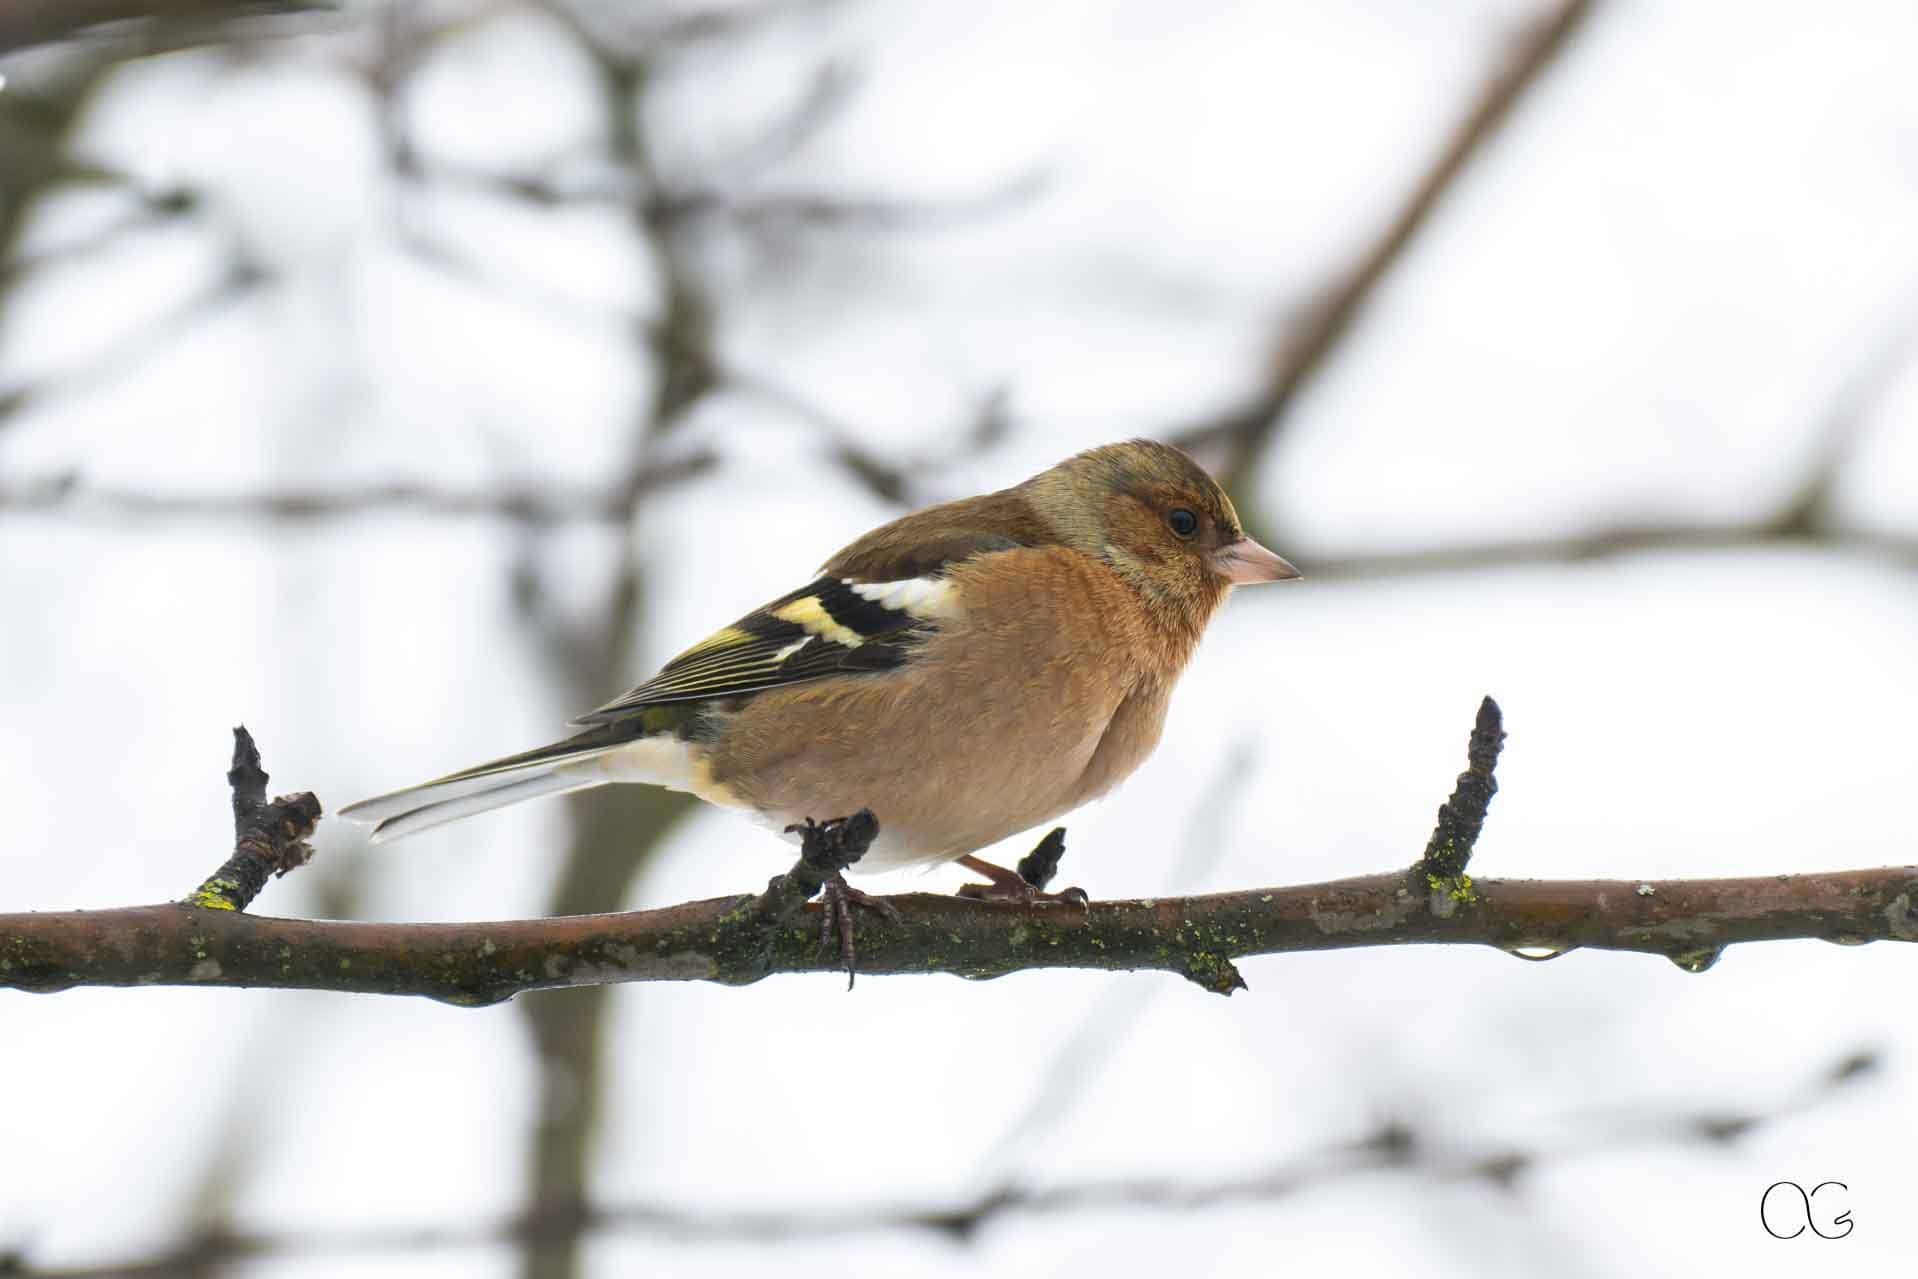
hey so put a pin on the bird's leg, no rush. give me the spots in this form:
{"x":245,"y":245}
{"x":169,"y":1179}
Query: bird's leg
{"x":1027,"y":884}
{"x":1010,"y":886}
{"x":827,"y":848}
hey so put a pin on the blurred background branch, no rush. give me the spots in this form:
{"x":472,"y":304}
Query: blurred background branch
{"x":1400,"y":1146}
{"x":1239,"y":437}
{"x":73,"y":497}
{"x":25,"y":23}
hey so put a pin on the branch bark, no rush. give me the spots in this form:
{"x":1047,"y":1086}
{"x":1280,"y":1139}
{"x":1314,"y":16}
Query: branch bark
{"x":726,"y":940}
{"x":742,"y":939}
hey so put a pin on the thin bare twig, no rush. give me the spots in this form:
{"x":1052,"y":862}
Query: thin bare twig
{"x":1462,"y":817}
{"x":1244,"y":432}
{"x":1805,"y":516}
{"x":268,"y":839}
{"x":1650,"y":537}
{"x":242,"y":278}
{"x":828,"y":90}
{"x":69,"y":495}
{"x":895,"y":480}
{"x":780,"y":211}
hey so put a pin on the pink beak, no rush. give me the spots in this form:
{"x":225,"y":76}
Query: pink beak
{"x":1245,"y":561}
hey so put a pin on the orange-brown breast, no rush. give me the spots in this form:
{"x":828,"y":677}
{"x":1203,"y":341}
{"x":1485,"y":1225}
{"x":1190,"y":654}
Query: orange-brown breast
{"x":1049,"y":690}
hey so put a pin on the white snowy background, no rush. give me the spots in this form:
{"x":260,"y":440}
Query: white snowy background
{"x":1681,"y":277}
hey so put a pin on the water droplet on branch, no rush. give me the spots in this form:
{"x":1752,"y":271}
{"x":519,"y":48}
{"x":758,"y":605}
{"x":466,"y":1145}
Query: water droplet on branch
{"x":1698,"y":959}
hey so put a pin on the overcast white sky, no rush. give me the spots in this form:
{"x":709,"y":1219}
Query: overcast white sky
{"x":1651,"y":299}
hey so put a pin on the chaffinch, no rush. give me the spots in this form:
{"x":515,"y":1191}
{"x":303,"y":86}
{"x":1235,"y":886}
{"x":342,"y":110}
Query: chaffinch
{"x":967,"y":671}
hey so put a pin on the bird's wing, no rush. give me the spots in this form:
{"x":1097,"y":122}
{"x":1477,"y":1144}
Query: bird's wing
{"x":832,"y":626}
{"x":864,"y":612}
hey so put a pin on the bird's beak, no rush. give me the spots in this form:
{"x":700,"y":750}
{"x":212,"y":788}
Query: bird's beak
{"x":1245,"y":561}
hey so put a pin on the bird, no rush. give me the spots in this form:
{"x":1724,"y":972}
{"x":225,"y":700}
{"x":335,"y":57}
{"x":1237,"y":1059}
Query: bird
{"x":966,"y":672}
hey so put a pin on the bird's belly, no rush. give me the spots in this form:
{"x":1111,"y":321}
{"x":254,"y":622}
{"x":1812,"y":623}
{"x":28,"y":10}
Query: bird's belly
{"x":943,"y":779}
{"x":978,"y":798}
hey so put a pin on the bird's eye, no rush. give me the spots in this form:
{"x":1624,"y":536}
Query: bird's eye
{"x":1184,"y":523}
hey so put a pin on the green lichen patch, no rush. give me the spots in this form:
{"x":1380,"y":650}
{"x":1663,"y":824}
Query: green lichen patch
{"x":1455,"y":888}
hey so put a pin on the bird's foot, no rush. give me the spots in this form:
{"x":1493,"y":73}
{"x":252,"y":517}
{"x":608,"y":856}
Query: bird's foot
{"x":1027,"y":884}
{"x":827,"y":848}
{"x":836,"y":900}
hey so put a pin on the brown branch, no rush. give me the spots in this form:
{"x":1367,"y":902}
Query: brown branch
{"x":25,"y":23}
{"x":1246,"y":430}
{"x":1393,"y":1145}
{"x":738,"y":940}
{"x":724,"y":939}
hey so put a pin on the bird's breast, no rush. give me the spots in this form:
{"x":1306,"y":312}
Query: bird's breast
{"x":1003,"y":719}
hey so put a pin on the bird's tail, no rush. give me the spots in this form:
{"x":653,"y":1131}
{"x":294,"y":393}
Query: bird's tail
{"x":528,"y":775}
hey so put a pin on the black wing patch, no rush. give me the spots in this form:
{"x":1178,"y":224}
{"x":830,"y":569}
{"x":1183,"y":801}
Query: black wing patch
{"x":824,"y":628}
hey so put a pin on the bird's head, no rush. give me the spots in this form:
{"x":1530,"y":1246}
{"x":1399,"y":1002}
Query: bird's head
{"x":1154,"y":515}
